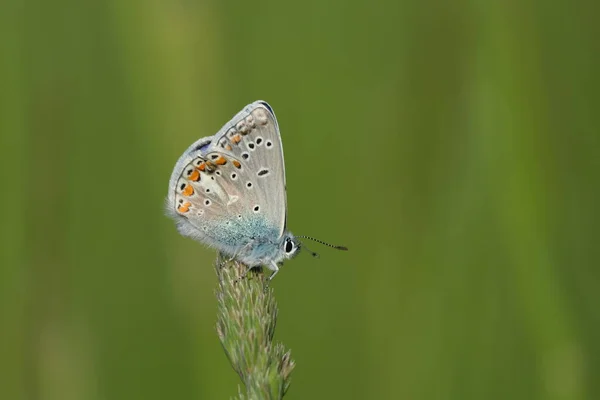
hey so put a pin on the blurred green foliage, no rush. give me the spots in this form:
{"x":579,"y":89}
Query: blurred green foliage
{"x":453,"y":146}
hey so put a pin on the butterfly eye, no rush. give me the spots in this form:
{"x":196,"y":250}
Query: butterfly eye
{"x":289,"y":246}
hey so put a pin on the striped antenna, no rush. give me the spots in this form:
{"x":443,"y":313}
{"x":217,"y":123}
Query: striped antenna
{"x":322,"y":242}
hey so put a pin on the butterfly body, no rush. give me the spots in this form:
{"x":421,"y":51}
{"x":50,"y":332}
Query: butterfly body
{"x":228,"y":190}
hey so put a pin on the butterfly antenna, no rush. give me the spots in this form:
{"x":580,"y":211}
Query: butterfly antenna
{"x":312,"y":253}
{"x":324,"y":243}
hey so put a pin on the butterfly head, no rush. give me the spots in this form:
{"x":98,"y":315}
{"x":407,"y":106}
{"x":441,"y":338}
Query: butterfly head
{"x":290,"y":246}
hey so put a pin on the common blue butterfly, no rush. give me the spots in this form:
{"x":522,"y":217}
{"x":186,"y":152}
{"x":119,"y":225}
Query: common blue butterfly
{"x":228,"y":191}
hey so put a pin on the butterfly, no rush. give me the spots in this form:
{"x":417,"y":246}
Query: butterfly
{"x":228,"y":191}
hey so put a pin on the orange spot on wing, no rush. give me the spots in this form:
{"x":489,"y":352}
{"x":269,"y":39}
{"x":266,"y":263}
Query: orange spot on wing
{"x":228,"y":147}
{"x":237,"y":164}
{"x":195,"y":175}
{"x":202,"y":166}
{"x":236,"y":139}
{"x":185,"y":207}
{"x":188,"y":190}
{"x":221,"y":161}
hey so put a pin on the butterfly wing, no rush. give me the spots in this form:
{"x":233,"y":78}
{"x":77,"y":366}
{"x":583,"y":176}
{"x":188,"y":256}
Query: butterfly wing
{"x":228,"y":190}
{"x":253,"y":141}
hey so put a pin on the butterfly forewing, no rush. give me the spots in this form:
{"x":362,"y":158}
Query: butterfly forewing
{"x":253,"y":143}
{"x":231,"y":191}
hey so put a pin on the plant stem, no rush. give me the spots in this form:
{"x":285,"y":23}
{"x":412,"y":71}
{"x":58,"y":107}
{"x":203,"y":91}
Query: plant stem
{"x":247,"y":315}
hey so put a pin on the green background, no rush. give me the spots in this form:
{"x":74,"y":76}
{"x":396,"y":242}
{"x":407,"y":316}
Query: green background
{"x":453,"y":146}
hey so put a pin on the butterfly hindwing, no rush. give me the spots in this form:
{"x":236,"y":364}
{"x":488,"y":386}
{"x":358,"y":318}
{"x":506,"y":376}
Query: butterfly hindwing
{"x":201,"y":207}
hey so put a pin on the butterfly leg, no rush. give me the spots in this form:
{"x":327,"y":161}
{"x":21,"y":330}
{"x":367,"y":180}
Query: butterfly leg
{"x":275,"y":269}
